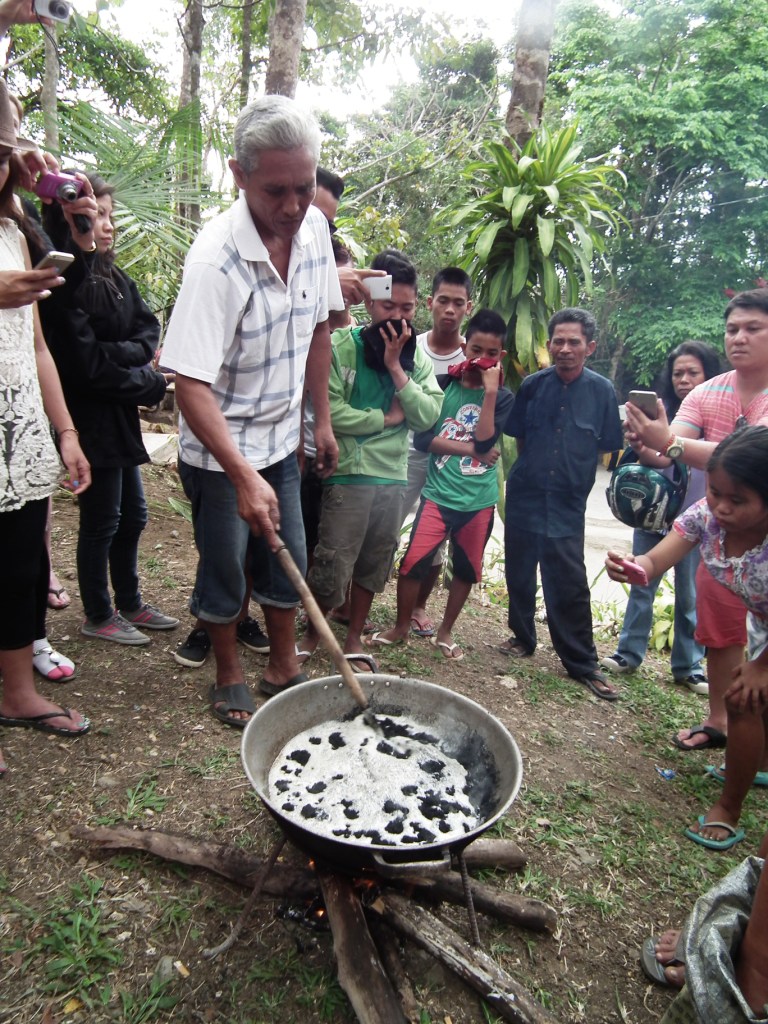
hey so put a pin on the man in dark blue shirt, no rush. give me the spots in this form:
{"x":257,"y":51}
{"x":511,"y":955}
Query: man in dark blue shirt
{"x":563,"y":418}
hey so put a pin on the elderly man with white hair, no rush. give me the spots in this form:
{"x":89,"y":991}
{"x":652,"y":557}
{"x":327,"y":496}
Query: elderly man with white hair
{"x":249,"y":333}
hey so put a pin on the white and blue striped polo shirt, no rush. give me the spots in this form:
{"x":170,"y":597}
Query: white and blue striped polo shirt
{"x":240,"y":328}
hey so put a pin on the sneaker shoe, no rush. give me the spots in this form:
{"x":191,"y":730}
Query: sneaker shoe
{"x":115,"y":628}
{"x":149,"y":617}
{"x":250,"y":635}
{"x":615,"y":663}
{"x":193,"y":652}
{"x":696,"y":683}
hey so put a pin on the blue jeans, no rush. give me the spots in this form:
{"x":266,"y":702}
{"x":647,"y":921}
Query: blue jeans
{"x":638,"y":618}
{"x":226,"y":546}
{"x":113,"y":514}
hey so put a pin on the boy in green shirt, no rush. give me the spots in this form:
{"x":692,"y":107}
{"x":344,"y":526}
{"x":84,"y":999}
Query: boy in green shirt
{"x":462,"y":486}
{"x":381,"y":385}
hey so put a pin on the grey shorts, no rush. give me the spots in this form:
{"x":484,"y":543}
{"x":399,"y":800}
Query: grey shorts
{"x":357,"y":539}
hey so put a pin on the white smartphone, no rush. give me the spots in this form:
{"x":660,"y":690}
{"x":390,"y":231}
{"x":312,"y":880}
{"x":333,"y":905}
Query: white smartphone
{"x":646,"y":401}
{"x":60,"y":260}
{"x":379,"y":287}
{"x":57,"y":10}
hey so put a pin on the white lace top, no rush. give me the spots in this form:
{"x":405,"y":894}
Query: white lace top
{"x":29,"y":467}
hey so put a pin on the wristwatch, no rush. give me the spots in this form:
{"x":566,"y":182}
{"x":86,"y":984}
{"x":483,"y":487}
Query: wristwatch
{"x":675,"y":447}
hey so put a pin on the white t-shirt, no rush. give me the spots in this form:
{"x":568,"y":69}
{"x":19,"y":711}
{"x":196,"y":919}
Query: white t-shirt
{"x":240,"y":328}
{"x":441,"y":363}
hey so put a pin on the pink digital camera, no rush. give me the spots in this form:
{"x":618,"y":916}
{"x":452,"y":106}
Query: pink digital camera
{"x":58,"y":186}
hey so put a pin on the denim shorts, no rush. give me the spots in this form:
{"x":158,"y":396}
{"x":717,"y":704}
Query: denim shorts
{"x":225,"y":544}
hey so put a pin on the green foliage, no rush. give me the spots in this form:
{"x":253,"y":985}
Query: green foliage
{"x":77,"y":942}
{"x":144,"y":162}
{"x":538,"y":219}
{"x":677,"y":92}
{"x":91,"y":62}
{"x":145,"y":1009}
{"x":402,"y":164}
{"x":663,"y":629}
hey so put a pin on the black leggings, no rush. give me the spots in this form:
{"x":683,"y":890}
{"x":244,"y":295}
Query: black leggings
{"x":26,"y":570}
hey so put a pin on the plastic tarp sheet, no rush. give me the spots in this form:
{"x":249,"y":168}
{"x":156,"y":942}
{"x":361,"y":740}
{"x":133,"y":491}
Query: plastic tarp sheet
{"x":713,"y":935}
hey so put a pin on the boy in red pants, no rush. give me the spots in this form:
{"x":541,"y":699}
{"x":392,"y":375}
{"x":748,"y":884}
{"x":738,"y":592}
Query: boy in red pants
{"x":462,"y":487}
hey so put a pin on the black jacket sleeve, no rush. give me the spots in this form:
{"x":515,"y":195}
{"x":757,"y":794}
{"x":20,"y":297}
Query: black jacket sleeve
{"x":505,"y":399}
{"x":87,"y":368}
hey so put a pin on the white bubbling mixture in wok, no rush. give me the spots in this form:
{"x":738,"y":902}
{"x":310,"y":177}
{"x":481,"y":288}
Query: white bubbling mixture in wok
{"x":345,"y":780}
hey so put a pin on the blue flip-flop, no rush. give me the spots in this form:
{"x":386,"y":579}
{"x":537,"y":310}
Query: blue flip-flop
{"x":737,"y":834}
{"x":760,"y":779}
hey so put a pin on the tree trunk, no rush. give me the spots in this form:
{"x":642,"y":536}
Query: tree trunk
{"x":246,"y":59}
{"x":48,"y":92}
{"x":535,"y":25}
{"x":286,"y":32}
{"x":191,"y":28}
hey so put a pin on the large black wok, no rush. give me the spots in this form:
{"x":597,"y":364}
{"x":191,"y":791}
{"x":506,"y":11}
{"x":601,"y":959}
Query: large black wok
{"x":465,"y":731}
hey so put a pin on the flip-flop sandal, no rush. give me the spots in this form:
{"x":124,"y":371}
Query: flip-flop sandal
{"x":760,"y":779}
{"x":272,"y":689}
{"x":231,"y":698}
{"x":512,"y":650}
{"x":447,"y":649}
{"x":593,"y":684}
{"x":715,"y":739}
{"x":736,"y":835}
{"x":60,"y":593}
{"x":366,"y":659}
{"x":654,"y":968}
{"x":40,"y":722}
{"x":422,"y":627}
{"x":377,"y":638}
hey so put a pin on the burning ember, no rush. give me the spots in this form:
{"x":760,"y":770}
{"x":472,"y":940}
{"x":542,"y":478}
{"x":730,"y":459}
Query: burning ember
{"x":343,"y":780}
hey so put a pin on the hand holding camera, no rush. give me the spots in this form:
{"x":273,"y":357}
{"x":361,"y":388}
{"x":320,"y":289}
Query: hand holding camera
{"x":56,"y":10}
{"x":58,"y":185}
{"x":74,"y":193}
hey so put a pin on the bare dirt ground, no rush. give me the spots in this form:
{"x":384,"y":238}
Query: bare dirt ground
{"x":84,"y":933}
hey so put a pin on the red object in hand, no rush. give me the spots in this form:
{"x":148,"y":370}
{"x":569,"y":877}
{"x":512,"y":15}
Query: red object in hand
{"x":485,"y":363}
{"x":634,"y":572}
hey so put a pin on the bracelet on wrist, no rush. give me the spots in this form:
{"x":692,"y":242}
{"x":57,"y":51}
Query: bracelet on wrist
{"x":69,"y":430}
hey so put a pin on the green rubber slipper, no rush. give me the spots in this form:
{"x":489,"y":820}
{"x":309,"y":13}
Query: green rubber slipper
{"x":761,"y":778}
{"x":736,"y":835}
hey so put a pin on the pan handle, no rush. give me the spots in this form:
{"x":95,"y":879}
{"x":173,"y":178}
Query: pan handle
{"x":320,"y":623}
{"x":392,"y":869}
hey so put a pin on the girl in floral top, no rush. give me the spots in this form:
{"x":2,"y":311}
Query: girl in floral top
{"x":731,"y":525}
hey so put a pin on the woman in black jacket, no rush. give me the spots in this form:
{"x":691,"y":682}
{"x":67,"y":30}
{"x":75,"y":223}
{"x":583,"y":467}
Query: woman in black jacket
{"x":103,"y":336}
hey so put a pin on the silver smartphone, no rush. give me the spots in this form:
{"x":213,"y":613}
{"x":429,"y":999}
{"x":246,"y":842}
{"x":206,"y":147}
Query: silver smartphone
{"x":646,"y":401}
{"x":60,"y":260}
{"x":379,"y":287}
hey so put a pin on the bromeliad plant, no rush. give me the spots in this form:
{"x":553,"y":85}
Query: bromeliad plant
{"x":528,"y":239}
